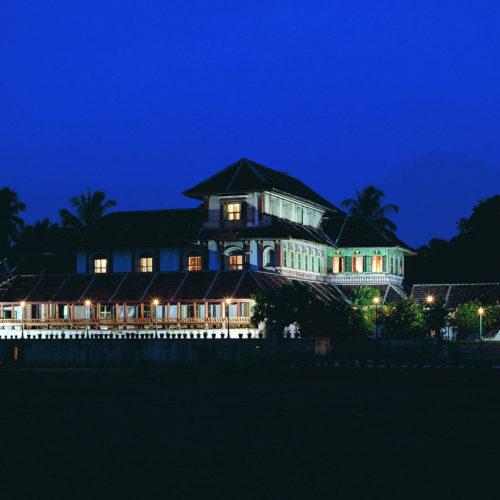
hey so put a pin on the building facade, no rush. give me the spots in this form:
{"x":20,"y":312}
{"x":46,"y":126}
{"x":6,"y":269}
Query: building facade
{"x":255,"y":228}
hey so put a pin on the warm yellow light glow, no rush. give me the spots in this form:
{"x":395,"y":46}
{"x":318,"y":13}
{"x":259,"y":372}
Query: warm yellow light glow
{"x":376,"y":300}
{"x":430,"y":299}
{"x":156,"y":302}
{"x":228,"y":301}
{"x":22,"y":303}
{"x":480,"y":311}
{"x":87,"y":302}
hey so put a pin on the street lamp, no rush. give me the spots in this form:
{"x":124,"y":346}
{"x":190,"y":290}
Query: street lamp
{"x":22,"y":318}
{"x":376,"y":301}
{"x":87,"y":314}
{"x":228,"y":303}
{"x":155,"y":303}
{"x":480,"y":311}
{"x":429,"y":299}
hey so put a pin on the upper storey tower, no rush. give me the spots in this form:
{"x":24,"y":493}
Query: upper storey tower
{"x":246,"y":194}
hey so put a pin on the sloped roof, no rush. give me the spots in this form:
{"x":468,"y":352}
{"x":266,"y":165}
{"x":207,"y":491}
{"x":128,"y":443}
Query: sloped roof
{"x":247,"y":176}
{"x":278,"y":229}
{"x":353,"y":231}
{"x":457,"y":293}
{"x":144,"y":228}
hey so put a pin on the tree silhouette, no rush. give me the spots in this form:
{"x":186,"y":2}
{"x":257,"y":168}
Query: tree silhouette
{"x":10,"y":222}
{"x":368,"y":204}
{"x":89,"y":208}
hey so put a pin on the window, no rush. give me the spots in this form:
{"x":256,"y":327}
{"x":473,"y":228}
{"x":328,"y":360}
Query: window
{"x":147,"y":311}
{"x":214,"y":311}
{"x":357,"y":264}
{"x":244,"y":310}
{"x":269,"y":258}
{"x":299,"y":216}
{"x":146,"y":264}
{"x":187,"y":311}
{"x":376,"y":264}
{"x":310,"y":215}
{"x":299,"y":260}
{"x":194,"y":263}
{"x":200,"y":310}
{"x":285,"y":257}
{"x":231,"y":211}
{"x":106,"y":311}
{"x":172,"y":313}
{"x":313,"y":263}
{"x":337,"y":265}
{"x":286,"y":210}
{"x":235,"y":262}
{"x":100,"y":265}
{"x":274,"y":206}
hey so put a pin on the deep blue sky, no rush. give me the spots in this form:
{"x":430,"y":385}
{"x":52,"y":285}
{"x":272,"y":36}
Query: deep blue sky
{"x":144,"y":99}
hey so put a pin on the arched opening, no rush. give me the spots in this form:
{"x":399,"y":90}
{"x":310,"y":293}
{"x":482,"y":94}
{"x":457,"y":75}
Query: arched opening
{"x":234,"y":259}
{"x":269,"y":257}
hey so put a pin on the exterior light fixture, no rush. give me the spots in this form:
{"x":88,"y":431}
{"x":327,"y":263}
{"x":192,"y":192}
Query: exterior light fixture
{"x":155,"y":303}
{"x":429,"y":299}
{"x":480,"y":311}
{"x":376,"y":301}
{"x":87,"y":316}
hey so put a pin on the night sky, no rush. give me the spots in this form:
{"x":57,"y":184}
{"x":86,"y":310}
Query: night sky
{"x":145,"y":99}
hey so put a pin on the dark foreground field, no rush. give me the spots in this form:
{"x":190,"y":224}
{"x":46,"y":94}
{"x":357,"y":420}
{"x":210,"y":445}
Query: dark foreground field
{"x":154,"y":434}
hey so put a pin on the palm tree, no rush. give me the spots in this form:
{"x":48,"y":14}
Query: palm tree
{"x":368,"y":204}
{"x":89,"y":208}
{"x":10,"y":223}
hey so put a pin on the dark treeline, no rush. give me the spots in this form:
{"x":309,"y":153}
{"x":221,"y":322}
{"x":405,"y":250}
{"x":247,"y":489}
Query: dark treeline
{"x":473,"y":255}
{"x":42,"y":236}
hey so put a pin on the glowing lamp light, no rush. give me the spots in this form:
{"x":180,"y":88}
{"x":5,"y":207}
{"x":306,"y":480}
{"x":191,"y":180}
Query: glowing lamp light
{"x":156,"y":302}
{"x":480,"y":311}
{"x":430,"y":299}
{"x":87,"y":302}
{"x":228,"y":301}
{"x":376,"y":300}
{"x":22,"y":303}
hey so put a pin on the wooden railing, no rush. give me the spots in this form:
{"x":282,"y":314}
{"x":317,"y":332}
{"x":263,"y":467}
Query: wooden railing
{"x":122,"y":322}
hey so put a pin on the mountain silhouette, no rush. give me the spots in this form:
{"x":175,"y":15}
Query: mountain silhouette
{"x":434,"y":191}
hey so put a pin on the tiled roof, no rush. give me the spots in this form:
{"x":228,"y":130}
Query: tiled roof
{"x":352,"y":231}
{"x":457,"y":293}
{"x":144,"y":228}
{"x":278,"y":229}
{"x":45,"y":263}
{"x":72,"y":288}
{"x":247,"y":176}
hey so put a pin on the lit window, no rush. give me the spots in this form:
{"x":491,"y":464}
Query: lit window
{"x":146,"y":264}
{"x":357,"y":264}
{"x":105,"y":311}
{"x":236,"y":262}
{"x":194,"y":263}
{"x":100,"y":265}
{"x":376,"y":264}
{"x":337,"y":265}
{"x":232,"y":211}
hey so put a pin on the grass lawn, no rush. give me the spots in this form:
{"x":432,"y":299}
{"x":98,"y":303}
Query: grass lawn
{"x":153,"y":434}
